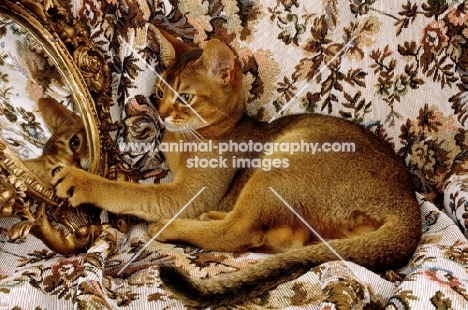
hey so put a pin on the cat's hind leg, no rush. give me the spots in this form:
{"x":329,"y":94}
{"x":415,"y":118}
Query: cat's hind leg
{"x":213,"y":215}
{"x":217,"y":235}
{"x":258,"y":222}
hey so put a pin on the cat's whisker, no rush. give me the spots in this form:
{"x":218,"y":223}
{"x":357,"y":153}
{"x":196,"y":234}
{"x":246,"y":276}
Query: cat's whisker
{"x":192,"y":137}
{"x":189,"y":133}
{"x":189,"y":136}
{"x":220,"y":112}
{"x":195,"y":134}
{"x":185,"y":136}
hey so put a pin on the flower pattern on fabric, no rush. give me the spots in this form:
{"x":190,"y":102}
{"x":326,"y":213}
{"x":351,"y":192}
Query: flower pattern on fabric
{"x":396,"y":67}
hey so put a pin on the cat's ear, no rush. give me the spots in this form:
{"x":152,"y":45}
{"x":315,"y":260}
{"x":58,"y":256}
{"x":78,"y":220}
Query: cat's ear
{"x":169,"y":47}
{"x":57,"y":116}
{"x":218,"y":59}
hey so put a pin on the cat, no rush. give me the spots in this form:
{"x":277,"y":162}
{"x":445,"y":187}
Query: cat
{"x":68,"y":142}
{"x":360,"y":200}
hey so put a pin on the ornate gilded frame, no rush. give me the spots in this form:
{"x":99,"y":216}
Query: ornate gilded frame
{"x":83,"y":66}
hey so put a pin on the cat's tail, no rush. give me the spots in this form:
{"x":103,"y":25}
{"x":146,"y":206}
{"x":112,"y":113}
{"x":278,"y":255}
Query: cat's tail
{"x":390,"y":246}
{"x":235,"y":287}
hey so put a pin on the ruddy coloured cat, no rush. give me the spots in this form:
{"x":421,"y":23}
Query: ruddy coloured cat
{"x":68,"y":142}
{"x":360,"y":201}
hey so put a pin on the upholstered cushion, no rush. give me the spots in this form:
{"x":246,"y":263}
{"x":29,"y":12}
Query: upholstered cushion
{"x":396,"y":67}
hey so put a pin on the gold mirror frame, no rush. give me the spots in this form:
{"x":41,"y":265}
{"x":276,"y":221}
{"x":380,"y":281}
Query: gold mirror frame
{"x":83,"y":68}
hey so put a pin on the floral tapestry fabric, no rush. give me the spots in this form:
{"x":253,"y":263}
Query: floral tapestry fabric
{"x":398,"y":68}
{"x":121,"y":271}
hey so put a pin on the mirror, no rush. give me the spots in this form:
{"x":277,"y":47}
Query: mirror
{"x":45,"y":97}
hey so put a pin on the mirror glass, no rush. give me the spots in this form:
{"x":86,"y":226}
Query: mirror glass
{"x":41,"y":103}
{"x":47,"y":119}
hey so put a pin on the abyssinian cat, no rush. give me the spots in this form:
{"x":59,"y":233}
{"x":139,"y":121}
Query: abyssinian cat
{"x":68,"y":142}
{"x":360,"y":201}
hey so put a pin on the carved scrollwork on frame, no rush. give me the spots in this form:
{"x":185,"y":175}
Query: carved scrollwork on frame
{"x":55,"y":15}
{"x":62,"y":229}
{"x":79,"y":74}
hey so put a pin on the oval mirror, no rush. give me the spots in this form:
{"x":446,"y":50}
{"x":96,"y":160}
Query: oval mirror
{"x":47,"y":117}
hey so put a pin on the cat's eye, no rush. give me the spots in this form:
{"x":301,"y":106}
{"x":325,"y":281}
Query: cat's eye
{"x":56,"y":170}
{"x":159,"y":92}
{"x":74,"y":143}
{"x":185,"y":98}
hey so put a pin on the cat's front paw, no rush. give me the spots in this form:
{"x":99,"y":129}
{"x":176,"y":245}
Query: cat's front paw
{"x":164,"y":230}
{"x":73,"y":184}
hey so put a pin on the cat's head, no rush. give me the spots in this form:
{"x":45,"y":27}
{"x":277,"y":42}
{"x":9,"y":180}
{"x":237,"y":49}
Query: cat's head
{"x":201,"y":89}
{"x":67,"y":146}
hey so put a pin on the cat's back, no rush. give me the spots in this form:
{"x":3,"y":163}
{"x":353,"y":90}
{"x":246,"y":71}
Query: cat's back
{"x":326,"y":147}
{"x":320,"y":126}
{"x":329,"y":132}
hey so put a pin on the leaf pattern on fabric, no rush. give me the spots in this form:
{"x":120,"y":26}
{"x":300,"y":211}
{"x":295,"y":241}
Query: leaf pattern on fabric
{"x":397,"y":68}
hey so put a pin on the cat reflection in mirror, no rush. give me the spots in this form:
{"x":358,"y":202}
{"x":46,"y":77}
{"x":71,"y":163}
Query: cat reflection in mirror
{"x":361,"y":202}
{"x":67,"y":145}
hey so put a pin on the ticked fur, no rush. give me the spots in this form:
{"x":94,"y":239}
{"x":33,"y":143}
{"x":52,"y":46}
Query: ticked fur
{"x":67,"y":145}
{"x":361,"y":202}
